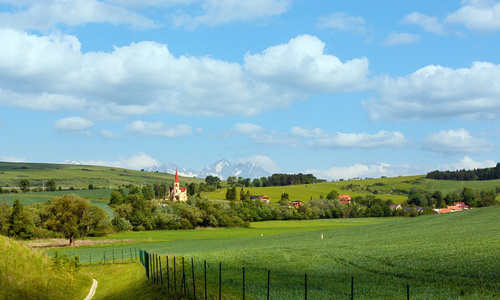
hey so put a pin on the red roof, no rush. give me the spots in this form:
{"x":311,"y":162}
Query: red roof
{"x":176,"y":177}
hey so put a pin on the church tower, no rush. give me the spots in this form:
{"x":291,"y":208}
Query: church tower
{"x":177,"y":193}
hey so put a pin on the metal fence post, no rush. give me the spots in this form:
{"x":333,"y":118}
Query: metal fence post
{"x":268,"y":282}
{"x":243,"y":283}
{"x":205,"y":271}
{"x":352,"y":287}
{"x":220,"y":281}
{"x":194,"y":285}
{"x":305,"y":286}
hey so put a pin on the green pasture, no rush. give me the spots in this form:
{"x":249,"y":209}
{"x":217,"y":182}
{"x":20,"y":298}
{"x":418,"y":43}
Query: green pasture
{"x":431,"y":254}
{"x":449,"y":186}
{"x":80,"y":176}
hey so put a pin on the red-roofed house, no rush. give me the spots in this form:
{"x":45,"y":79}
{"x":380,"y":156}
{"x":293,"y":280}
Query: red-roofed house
{"x":262,"y":198}
{"x":461,"y":205}
{"x":344,"y":199}
{"x":297,"y":203}
{"x":177,"y":193}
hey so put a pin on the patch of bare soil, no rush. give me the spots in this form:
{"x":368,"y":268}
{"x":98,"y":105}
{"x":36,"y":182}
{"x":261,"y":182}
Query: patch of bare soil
{"x":64,"y":243}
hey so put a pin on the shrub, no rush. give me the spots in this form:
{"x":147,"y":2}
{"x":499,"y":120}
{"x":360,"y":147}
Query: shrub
{"x":121,"y":224}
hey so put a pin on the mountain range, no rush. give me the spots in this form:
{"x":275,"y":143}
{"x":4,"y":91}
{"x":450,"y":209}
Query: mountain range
{"x":222,"y":169}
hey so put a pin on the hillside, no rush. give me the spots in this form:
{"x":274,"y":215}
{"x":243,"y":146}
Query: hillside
{"x":29,"y":274}
{"x":80,"y":176}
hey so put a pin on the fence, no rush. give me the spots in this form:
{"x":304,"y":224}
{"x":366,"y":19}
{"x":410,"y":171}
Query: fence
{"x":111,"y":256}
{"x":183,"y":278}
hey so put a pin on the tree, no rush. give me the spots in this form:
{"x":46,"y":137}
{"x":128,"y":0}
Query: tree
{"x":147,"y":192}
{"x":51,"y":185}
{"x":24,"y":184}
{"x":20,"y":222}
{"x":212,"y":180}
{"x":5,"y":212}
{"x":116,"y":198}
{"x":74,"y":217}
{"x":232,"y":180}
{"x":191,"y":189}
{"x":332,"y":195}
{"x":91,"y":186}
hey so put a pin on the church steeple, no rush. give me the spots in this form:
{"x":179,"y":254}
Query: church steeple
{"x":176,"y":181}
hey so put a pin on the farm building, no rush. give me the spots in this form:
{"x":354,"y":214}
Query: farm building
{"x":177,"y":193}
{"x":297,"y":203}
{"x":344,"y":199}
{"x":262,"y":198}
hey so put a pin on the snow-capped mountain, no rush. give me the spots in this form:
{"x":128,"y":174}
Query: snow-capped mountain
{"x":72,"y":162}
{"x":171,"y":168}
{"x":222,"y":169}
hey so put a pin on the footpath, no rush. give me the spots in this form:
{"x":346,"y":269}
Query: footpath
{"x":92,"y":289}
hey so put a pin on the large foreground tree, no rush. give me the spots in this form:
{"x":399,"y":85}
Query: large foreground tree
{"x":74,"y":217}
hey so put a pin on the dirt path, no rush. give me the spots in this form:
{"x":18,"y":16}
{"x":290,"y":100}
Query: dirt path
{"x":92,"y":289}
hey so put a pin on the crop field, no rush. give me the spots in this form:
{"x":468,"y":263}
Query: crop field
{"x":448,"y":256}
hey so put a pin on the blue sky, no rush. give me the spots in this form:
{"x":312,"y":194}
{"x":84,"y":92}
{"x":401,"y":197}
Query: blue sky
{"x":340,"y":89}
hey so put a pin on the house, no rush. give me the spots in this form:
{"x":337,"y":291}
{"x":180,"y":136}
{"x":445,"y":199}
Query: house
{"x":177,"y":193}
{"x":262,"y":198}
{"x":396,"y":206}
{"x":297,"y":203}
{"x":461,"y":205}
{"x":344,"y":199}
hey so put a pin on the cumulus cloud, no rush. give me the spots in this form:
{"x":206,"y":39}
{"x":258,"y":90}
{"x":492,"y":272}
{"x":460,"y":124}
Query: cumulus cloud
{"x":302,"y":63}
{"x":137,"y":162}
{"x":358,"y":140}
{"x":436,"y":92}
{"x":396,"y":38}
{"x":429,"y":24}
{"x":365,"y":171}
{"x":13,"y":159}
{"x":43,"y":15}
{"x":74,"y":125}
{"x":477,"y":15}
{"x":468,"y":163}
{"x":158,"y":129}
{"x":217,"y":12}
{"x":456,"y":141}
{"x":263,"y":161}
{"x":243,"y":129}
{"x":342,"y":21}
{"x":51,"y":73}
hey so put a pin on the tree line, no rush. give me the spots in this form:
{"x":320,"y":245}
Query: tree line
{"x":466,"y":175}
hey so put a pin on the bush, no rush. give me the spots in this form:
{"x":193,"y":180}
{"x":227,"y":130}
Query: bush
{"x":42,"y":233}
{"x":121,"y":224}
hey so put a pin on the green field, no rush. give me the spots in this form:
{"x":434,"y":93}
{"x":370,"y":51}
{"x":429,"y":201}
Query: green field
{"x":80,"y":176}
{"x":450,"y":256}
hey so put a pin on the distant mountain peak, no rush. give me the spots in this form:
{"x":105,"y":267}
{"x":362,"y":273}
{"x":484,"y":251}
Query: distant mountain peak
{"x":221,"y":168}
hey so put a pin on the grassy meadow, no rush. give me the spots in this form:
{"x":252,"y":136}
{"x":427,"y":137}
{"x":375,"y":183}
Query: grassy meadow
{"x":450,"y":256}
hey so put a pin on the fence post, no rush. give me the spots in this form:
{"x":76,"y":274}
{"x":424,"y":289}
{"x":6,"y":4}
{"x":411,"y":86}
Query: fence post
{"x":161,"y":273}
{"x":352,"y":287}
{"x":90,"y":258}
{"x":122,"y":256}
{"x":268,"y":282}
{"x":243,"y":283}
{"x":408,"y":292}
{"x":184,"y":282}
{"x":168,"y":275}
{"x":194,"y":285}
{"x":205,"y":271}
{"x":175,"y":280}
{"x":130,"y":254}
{"x":305,"y":286}
{"x":136,"y":251}
{"x":220,"y":281}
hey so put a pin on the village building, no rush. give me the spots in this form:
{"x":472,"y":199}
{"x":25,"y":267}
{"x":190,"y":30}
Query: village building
{"x":297,"y":203}
{"x":177,"y":193}
{"x":344,"y":199}
{"x":262,"y":198}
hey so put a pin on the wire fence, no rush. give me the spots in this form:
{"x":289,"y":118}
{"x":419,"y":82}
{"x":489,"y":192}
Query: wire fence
{"x":200,"y":280}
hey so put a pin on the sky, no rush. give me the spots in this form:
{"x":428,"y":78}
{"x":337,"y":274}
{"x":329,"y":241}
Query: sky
{"x":339,"y":89}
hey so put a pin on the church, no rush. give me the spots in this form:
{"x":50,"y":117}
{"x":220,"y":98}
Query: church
{"x":177,"y":193}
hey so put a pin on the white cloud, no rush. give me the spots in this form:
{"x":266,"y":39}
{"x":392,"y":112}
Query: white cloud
{"x":396,"y":38}
{"x":359,"y":140}
{"x":136,"y":162}
{"x":468,"y":164}
{"x":13,"y":159}
{"x":217,"y":12}
{"x":342,"y":21}
{"x":302,"y":64}
{"x":456,"y":141}
{"x":430,"y":24}
{"x":477,"y":15}
{"x":247,"y":128}
{"x":263,"y":161}
{"x":51,"y":73}
{"x":158,"y":129}
{"x":43,"y":15}
{"x":109,"y":134}
{"x":365,"y":171}
{"x":74,"y":125}
{"x":436,"y":92}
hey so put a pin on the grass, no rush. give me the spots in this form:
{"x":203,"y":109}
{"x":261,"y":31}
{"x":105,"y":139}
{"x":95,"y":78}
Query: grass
{"x":29,"y":274}
{"x":80,"y":176}
{"x":450,"y":256}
